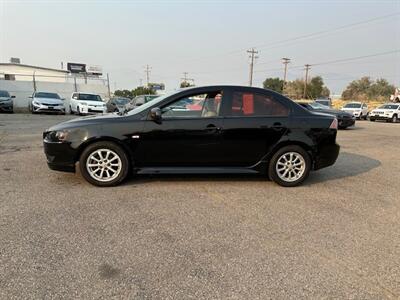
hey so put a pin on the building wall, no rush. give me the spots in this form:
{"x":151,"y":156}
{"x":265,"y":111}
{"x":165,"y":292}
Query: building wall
{"x":23,"y":89}
{"x":23,"y":73}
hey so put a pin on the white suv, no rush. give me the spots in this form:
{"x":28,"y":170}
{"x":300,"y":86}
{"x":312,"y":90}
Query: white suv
{"x":390,"y":112}
{"x":357,"y":109}
{"x":85,"y":103}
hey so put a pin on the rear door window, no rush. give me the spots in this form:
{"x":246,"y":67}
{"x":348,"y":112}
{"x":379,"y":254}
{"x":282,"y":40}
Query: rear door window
{"x":256,"y":105}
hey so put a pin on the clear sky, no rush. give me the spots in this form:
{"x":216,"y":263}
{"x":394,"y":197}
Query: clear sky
{"x":207,"y":39}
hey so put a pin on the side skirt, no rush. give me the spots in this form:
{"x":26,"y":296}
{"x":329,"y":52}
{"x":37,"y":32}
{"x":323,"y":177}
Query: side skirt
{"x":195,"y":170}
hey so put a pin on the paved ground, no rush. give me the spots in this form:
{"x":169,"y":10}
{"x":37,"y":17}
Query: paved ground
{"x":224,"y":237}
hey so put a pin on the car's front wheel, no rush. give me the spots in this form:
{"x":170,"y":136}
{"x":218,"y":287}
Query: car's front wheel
{"x":289,"y":166}
{"x":395,"y":119}
{"x":104,"y":164}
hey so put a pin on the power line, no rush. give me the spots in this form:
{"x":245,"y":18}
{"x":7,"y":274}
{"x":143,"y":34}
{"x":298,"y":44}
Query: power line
{"x":305,"y":36}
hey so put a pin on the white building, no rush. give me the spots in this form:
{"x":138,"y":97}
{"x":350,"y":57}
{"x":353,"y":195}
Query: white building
{"x":21,"y":72}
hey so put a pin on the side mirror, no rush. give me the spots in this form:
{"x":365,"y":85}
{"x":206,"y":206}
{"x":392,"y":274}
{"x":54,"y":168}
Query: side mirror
{"x":155,"y":115}
{"x":12,"y":96}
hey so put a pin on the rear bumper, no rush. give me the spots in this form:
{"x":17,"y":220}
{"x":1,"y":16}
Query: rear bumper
{"x":60,"y":156}
{"x":327,"y":156}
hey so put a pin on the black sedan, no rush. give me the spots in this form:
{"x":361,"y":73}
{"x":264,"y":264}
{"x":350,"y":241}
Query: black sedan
{"x":212,"y":129}
{"x":345,"y":119}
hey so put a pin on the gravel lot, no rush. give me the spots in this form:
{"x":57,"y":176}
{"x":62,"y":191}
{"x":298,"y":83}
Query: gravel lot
{"x":200,"y":237}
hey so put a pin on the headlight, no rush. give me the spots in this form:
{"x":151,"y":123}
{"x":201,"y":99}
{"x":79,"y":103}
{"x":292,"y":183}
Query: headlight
{"x":56,"y":136}
{"x":36,"y":103}
{"x":83,"y":103}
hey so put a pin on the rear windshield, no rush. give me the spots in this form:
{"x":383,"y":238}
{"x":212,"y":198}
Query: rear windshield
{"x":47,"y":95}
{"x":353,"y":105}
{"x":4,"y":94}
{"x":89,"y":97}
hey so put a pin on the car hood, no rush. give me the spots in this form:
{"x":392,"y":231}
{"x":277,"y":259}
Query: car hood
{"x":93,"y":120}
{"x":48,"y":100}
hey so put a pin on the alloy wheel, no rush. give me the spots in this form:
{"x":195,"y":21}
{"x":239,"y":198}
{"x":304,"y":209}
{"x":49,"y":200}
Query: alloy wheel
{"x":290,"y":166}
{"x":104,"y":165}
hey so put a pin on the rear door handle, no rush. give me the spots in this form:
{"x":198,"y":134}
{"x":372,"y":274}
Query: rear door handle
{"x":213,"y":128}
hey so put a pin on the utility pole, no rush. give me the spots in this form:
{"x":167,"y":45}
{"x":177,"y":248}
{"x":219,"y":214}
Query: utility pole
{"x":186,"y":79}
{"x":147,"y":71}
{"x":305,"y":81}
{"x":108,"y":86}
{"x":285,"y":61}
{"x":252,"y":56}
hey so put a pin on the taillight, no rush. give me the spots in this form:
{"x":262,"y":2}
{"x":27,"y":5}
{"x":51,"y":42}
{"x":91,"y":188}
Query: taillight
{"x":334,"y":124}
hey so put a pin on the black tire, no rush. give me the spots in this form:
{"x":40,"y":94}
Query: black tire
{"x":77,"y":111}
{"x":272,"y":167}
{"x":70,"y":110}
{"x":372,"y":120}
{"x":107,"y":146}
{"x":361,"y":116}
{"x":395,"y":119}
{"x":342,"y":127}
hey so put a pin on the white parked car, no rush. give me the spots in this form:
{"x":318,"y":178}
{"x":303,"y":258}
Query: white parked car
{"x":85,"y":103}
{"x":46,"y":102}
{"x":390,"y":112}
{"x":358,"y":109}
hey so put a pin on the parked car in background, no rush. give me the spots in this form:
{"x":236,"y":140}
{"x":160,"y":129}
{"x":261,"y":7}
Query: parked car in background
{"x":357,"y":109}
{"x":6,"y":102}
{"x":238,"y":130}
{"x":140,"y":100}
{"x":46,"y":102}
{"x":86,"y":103}
{"x":324,"y":101}
{"x":389,"y":112}
{"x":117,"y":104}
{"x":344,"y":119}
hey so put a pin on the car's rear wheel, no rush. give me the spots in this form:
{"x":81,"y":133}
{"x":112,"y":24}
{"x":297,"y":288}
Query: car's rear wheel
{"x":104,"y":164}
{"x":289,"y":166}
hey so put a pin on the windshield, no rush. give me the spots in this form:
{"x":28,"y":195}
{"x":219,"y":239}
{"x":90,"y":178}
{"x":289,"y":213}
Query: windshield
{"x":89,"y":97}
{"x":316,"y":105}
{"x":353,"y":105}
{"x":121,"y":101}
{"x":389,"y":106}
{"x":323,"y":101}
{"x":47,"y":95}
{"x":145,"y":106}
{"x":4,"y":94}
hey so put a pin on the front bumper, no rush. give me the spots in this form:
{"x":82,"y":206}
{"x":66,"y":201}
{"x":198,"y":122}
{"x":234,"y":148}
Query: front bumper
{"x":48,"y":109}
{"x":326,"y":156}
{"x":342,"y":123}
{"x":380,"y":117}
{"x":92,"y":109}
{"x":60,"y":156}
{"x":6,"y":107}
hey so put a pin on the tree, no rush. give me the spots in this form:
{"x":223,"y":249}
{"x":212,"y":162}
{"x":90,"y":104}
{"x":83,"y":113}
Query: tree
{"x":294,"y":89}
{"x":357,"y":89}
{"x":141,"y":90}
{"x":123,"y":93}
{"x":185,"y":84}
{"x":365,"y":89}
{"x":274,"y":84}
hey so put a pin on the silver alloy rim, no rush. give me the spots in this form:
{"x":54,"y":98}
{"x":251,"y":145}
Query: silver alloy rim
{"x":290,"y":166}
{"x":104,"y":165}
